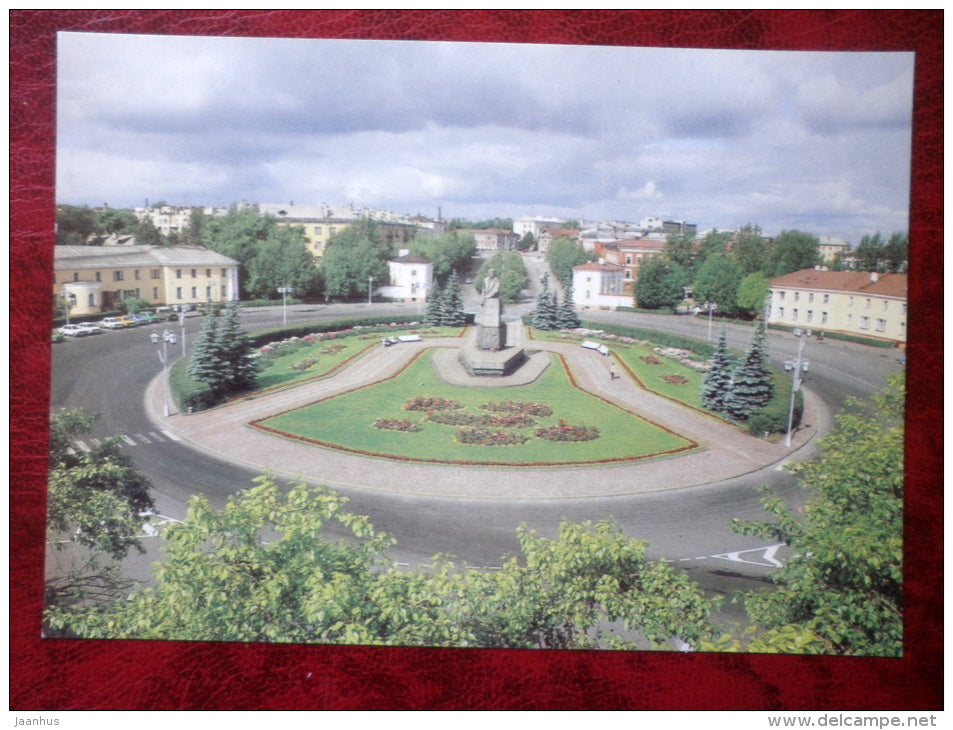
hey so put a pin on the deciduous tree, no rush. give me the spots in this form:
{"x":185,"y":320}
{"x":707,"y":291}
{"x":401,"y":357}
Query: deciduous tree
{"x":844,"y":582}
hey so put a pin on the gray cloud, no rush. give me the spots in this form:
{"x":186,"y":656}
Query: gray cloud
{"x":720,"y":138}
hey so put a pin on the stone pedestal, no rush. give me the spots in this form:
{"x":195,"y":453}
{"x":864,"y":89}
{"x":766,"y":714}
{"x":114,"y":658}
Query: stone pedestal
{"x":491,"y":332}
{"x":480,"y":363}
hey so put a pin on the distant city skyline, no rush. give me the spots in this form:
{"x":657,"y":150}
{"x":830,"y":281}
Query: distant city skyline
{"x":815,"y":141}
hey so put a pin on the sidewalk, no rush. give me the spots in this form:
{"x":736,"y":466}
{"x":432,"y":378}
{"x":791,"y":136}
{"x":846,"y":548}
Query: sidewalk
{"x":727,"y":451}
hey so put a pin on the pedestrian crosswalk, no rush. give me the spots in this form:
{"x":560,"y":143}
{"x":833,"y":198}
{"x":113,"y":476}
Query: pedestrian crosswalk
{"x":127,"y":439}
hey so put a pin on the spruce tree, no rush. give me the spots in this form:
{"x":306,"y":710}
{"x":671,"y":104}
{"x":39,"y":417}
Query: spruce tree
{"x":544,"y":315}
{"x":566,"y":316}
{"x":434,"y":303}
{"x":753,"y":386}
{"x":205,"y":365}
{"x":716,"y":390}
{"x":454,"y":314}
{"x":233,"y":349}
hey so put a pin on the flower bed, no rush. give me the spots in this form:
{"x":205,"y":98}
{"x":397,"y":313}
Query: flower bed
{"x":394,"y":424}
{"x":541,"y":410}
{"x":446,"y":418}
{"x":487,"y":437}
{"x":651,"y":360}
{"x":431,"y":403}
{"x":305,"y":364}
{"x":675,"y":379}
{"x":566,"y":432}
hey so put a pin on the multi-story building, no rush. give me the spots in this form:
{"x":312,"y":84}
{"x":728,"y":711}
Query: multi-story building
{"x":494,"y":239}
{"x":321,"y":223}
{"x":599,"y":285}
{"x":630,"y":254}
{"x":98,"y":278}
{"x":831,"y":247}
{"x":534,"y":225}
{"x":851,"y":302}
{"x":548,"y":235}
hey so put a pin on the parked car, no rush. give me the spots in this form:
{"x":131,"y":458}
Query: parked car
{"x":112,"y":323}
{"x":91,"y":329}
{"x":144,"y":318}
{"x":127,"y":320}
{"x":73,"y":330}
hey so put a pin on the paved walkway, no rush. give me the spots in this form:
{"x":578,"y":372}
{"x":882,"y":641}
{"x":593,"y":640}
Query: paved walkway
{"x":727,"y":451}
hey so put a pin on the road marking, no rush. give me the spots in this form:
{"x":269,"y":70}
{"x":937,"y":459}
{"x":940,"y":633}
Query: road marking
{"x":128,"y":440}
{"x":767,"y":556}
{"x":171,"y":436}
{"x":82,"y":446}
{"x":143,"y":438}
{"x":156,"y":437}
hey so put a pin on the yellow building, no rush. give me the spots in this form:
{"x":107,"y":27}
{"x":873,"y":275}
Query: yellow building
{"x":98,"y":278}
{"x":866,"y":304}
{"x":321,"y":223}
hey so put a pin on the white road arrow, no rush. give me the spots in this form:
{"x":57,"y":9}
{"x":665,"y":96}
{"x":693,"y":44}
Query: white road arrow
{"x":767,"y":556}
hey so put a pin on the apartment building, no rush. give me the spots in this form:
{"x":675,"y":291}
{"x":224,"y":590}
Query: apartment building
{"x":98,"y":278}
{"x":321,"y":223}
{"x":851,"y":302}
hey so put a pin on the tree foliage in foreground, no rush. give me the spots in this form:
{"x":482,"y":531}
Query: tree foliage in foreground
{"x":263,"y":569}
{"x":842,"y":590}
{"x":96,"y":505}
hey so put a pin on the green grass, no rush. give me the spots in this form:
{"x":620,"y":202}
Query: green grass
{"x":327,"y":354}
{"x":345,"y":422}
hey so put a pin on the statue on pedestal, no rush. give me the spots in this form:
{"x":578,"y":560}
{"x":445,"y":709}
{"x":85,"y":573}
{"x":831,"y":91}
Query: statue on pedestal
{"x":491,"y":332}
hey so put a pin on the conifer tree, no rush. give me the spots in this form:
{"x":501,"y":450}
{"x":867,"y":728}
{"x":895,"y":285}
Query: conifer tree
{"x":233,"y":350}
{"x":716,"y":390}
{"x":566,"y":316}
{"x":544,"y":315}
{"x":753,"y":386}
{"x":453,"y":313}
{"x":205,"y":365}
{"x":434,"y":305}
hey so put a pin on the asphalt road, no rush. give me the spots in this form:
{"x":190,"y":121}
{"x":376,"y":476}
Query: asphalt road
{"x":108,"y":373}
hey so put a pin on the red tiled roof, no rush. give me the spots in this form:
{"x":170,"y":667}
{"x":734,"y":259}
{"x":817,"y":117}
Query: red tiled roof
{"x":596,"y":266}
{"x":887,"y":285}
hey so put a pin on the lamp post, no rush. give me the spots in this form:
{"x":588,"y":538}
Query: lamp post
{"x":69,"y":301}
{"x":284,"y":291}
{"x":164,"y":359}
{"x":370,"y":290}
{"x":796,"y":367}
{"x":182,"y":323}
{"x":711,"y":307}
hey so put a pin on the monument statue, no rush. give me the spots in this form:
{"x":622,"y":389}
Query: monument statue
{"x":491,"y":332}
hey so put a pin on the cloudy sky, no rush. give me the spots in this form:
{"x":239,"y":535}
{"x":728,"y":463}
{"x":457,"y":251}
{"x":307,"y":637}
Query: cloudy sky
{"x":815,"y":141}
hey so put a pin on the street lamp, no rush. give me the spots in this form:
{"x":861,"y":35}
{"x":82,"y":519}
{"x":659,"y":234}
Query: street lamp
{"x":796,"y":366}
{"x":164,"y":359}
{"x":285,"y":291}
{"x":370,"y":289}
{"x":711,"y":307}
{"x":182,"y":322}
{"x":69,"y":301}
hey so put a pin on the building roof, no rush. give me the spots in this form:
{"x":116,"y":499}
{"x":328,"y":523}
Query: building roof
{"x":116,"y":257}
{"x":861,"y":282}
{"x":410,"y":259}
{"x":598,"y":266}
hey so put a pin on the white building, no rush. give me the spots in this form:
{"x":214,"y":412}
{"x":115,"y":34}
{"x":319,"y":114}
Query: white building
{"x":411,"y":279}
{"x":599,"y":285}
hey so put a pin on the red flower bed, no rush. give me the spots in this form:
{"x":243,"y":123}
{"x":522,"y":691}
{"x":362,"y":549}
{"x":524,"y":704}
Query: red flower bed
{"x":565,"y":432}
{"x":651,"y":360}
{"x":483,"y":421}
{"x":675,"y":379}
{"x":393,"y":424}
{"x":431,"y":403}
{"x":487,"y":437}
{"x":517,"y":407}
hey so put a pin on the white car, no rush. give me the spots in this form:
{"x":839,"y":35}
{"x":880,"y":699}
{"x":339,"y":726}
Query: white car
{"x":112,"y":323}
{"x":91,"y":329}
{"x":73,"y":330}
